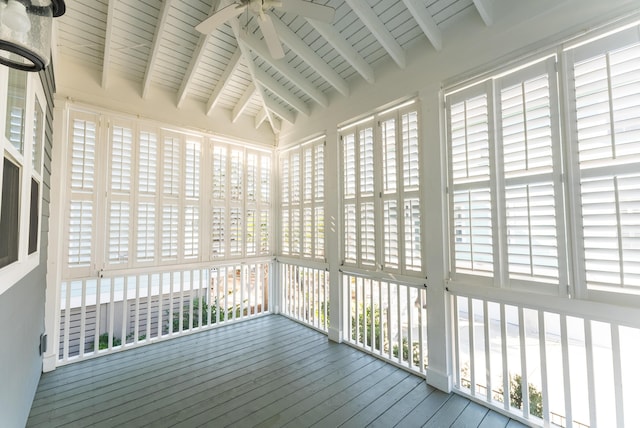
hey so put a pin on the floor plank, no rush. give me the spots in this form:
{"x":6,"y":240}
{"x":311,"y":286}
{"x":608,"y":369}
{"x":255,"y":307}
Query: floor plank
{"x":265,"y":372}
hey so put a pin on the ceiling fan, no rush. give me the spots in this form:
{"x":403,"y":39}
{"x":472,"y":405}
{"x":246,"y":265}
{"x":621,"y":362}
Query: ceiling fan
{"x":258,"y":8}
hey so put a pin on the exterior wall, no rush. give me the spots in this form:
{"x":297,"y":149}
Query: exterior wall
{"x":470,"y":48}
{"x":22,"y":308}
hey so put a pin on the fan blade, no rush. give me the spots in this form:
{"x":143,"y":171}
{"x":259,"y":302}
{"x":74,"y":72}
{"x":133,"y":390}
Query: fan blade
{"x":270,"y":36}
{"x":309,"y":10}
{"x":220,"y":17}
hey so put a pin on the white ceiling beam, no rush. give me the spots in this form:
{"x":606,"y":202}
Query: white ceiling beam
{"x":107,"y":43}
{"x":309,"y":56}
{"x":224,"y":80}
{"x":276,"y":126}
{"x":344,"y":48}
{"x":285,"y":69}
{"x":191,"y":70}
{"x":425,"y":21}
{"x":157,"y":37}
{"x":379,"y":31}
{"x":278,"y":109}
{"x":260,"y":117}
{"x":276,"y":87}
{"x":243,"y":102}
{"x":198,"y":53}
{"x":486,"y":10}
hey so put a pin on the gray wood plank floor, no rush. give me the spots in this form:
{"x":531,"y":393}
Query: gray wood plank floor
{"x":267,"y":372}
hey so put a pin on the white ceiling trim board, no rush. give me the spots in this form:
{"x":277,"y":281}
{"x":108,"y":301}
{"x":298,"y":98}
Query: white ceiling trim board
{"x":344,"y":48}
{"x":308,"y":55}
{"x":243,"y":102}
{"x":107,"y":43}
{"x":425,"y":21}
{"x":191,"y":70}
{"x":164,"y":14}
{"x":379,"y":31}
{"x":224,"y":80}
{"x":276,"y":87}
{"x":283,"y":67}
{"x":485,"y":8}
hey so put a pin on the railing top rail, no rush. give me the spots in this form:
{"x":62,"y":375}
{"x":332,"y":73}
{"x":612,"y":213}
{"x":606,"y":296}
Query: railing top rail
{"x":409,"y":281}
{"x":314,"y":264}
{"x":595,"y":311}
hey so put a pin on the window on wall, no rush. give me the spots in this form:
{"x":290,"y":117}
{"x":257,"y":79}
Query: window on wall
{"x":302,"y":198}
{"x":22,"y":115}
{"x":381,"y":205}
{"x":512,"y":211}
{"x":161,"y":197}
{"x":507,"y":174}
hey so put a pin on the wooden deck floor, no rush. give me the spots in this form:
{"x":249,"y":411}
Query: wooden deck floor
{"x":267,"y":372}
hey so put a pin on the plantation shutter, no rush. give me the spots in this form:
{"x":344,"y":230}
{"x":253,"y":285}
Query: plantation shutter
{"x":605,"y":97}
{"x":285,"y":199}
{"x":264,"y":206}
{"x":191,"y":216}
{"x":171,"y":223}
{"x":146,"y":232}
{"x":410,"y":191}
{"x":251,"y":233}
{"x":470,"y":196}
{"x":528,"y":135}
{"x":119,"y":220}
{"x":147,"y":164}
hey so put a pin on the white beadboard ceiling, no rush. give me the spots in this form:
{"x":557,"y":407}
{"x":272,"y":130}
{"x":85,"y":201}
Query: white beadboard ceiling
{"x":153,"y":42}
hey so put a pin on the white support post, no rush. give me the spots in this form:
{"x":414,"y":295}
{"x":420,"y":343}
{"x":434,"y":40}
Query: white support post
{"x":434,"y":231}
{"x":332,"y":237}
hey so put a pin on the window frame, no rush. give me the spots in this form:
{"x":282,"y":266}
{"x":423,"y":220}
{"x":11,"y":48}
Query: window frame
{"x":26,"y":261}
{"x":377,"y":196}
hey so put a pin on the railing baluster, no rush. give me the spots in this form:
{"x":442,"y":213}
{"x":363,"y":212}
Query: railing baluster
{"x":456,"y":340}
{"x":96,"y":341}
{"x":171,"y":306}
{"x":381,"y":318}
{"x":67,"y":322}
{"x":389,"y":322}
{"x":83,"y":319}
{"x":160,"y":304}
{"x":472,"y":346}
{"x":125,"y":310}
{"x":617,"y":373}
{"x":524,"y":378}
{"x":591,"y":387}
{"x":409,"y":328}
{"x":149,"y":306}
{"x":565,"y":370}
{"x":421,"y":323}
{"x":111,"y":312}
{"x":506,"y":394}
{"x":487,"y":347}
{"x":181,"y":308}
{"x":542,"y":339}
{"x":399,"y":321}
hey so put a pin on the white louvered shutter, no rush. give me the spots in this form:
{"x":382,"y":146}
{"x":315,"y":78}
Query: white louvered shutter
{"x":146,"y":232}
{"x":170,"y":197}
{"x":471,"y":222}
{"x":169,"y":236}
{"x":252,"y":177}
{"x":410,"y":195}
{"x":236,"y":243}
{"x":265,"y":225}
{"x":527,"y":138}
{"x":285,"y":199}
{"x":606,"y":95}
{"x":191,"y":235}
{"x":251,"y":233}
{"x":118,"y":231}
{"x":147,"y":163}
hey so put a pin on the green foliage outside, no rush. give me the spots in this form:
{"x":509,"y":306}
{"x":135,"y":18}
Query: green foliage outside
{"x":515,"y":392}
{"x":200,"y":312}
{"x":415,"y":351}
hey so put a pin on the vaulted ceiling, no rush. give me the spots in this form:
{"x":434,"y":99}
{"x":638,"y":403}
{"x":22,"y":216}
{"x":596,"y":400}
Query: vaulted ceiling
{"x":154,"y":43}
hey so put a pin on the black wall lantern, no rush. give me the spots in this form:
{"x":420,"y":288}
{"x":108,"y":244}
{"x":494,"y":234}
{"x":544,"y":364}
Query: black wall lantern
{"x":25,"y":32}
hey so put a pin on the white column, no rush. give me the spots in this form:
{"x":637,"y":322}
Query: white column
{"x":333,"y":232}
{"x":434,"y":180}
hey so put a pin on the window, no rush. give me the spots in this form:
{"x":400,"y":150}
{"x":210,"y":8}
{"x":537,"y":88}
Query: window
{"x":512,"y":213}
{"x":382,"y":214}
{"x":22,"y":116}
{"x":155,"y":201}
{"x":605,"y":129}
{"x":507,"y":174}
{"x":302,"y":211}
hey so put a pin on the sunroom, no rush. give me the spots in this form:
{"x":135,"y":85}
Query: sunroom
{"x":447,"y":187}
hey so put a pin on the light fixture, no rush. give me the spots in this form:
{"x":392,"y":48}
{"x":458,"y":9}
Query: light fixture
{"x":25,"y":32}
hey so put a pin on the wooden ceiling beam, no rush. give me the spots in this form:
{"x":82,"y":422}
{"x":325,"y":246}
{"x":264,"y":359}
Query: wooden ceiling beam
{"x":379,"y":31}
{"x":344,"y":48}
{"x":224,"y":80}
{"x":107,"y":43}
{"x":425,"y":21}
{"x":243,"y":102}
{"x":283,"y":67}
{"x":309,"y":56}
{"x":157,"y":38}
{"x":486,"y":10}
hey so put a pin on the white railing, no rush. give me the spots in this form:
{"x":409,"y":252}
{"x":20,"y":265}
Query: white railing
{"x":579,"y":370}
{"x":305,"y":293}
{"x":387,"y":319}
{"x":118,"y":311}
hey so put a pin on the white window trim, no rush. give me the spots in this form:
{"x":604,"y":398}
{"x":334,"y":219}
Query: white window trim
{"x":17,"y":270}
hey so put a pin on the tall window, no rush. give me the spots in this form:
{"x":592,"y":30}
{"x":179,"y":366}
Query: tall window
{"x":512,"y":214}
{"x":302,"y":210}
{"x":382,"y":214}
{"x":155,"y":200}
{"x":605,"y":129}
{"x":505,"y":179}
